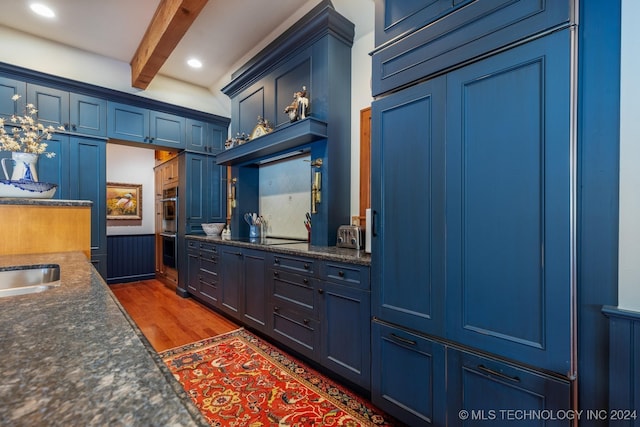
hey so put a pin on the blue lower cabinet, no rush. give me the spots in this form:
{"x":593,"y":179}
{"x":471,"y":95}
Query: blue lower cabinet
{"x":408,"y":376}
{"x":345,"y":314}
{"x":254,"y":309}
{"x":485,"y":390}
{"x":231,"y":268}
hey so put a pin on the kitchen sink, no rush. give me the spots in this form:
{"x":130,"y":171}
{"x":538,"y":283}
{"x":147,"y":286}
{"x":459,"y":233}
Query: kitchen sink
{"x":28,"y":279}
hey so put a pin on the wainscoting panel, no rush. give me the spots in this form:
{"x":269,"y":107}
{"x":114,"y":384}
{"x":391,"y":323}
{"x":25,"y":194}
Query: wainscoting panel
{"x":130,"y":258}
{"x":624,"y":366}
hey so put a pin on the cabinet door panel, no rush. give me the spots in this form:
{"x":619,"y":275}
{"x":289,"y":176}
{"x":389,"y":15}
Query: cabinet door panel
{"x":88,"y":115}
{"x":128,"y":123}
{"x":407,"y":162}
{"x":88,"y":182}
{"x":216,"y":195}
{"x":408,"y":376}
{"x":346,"y":332}
{"x":231,"y":279}
{"x":167,"y":130}
{"x":254,"y":292}
{"x":9,"y":88}
{"x":508,"y":204}
{"x":52,"y":105}
{"x":496,"y":393}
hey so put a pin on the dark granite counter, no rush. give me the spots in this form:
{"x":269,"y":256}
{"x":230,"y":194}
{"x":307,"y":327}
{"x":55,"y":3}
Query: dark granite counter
{"x":72,"y":356}
{"x":44,"y":202}
{"x":284,"y":246}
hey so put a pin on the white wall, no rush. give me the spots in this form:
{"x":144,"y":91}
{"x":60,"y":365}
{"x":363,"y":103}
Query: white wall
{"x":131,"y":165}
{"x":629,"y":234}
{"x":30,"y":52}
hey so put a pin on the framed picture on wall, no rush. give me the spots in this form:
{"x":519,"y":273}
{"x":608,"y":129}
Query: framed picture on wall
{"x":124,"y":201}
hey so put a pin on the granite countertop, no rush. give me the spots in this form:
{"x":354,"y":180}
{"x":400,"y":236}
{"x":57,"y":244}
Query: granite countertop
{"x":72,"y":356}
{"x":44,"y":202}
{"x":285,"y":246}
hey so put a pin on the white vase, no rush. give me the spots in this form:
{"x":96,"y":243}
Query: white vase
{"x":24,"y":167}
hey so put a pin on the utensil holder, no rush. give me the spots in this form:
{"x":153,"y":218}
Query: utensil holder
{"x":254,"y":231}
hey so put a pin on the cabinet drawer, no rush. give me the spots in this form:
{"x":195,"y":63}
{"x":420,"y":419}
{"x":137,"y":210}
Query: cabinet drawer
{"x":347,"y":274}
{"x":209,"y":262}
{"x":295,"y":329}
{"x":399,"y":358}
{"x":209,"y":287}
{"x":210,"y":247}
{"x":296,"y":265}
{"x":294,"y":290}
{"x":478,"y":28}
{"x":481,"y":383}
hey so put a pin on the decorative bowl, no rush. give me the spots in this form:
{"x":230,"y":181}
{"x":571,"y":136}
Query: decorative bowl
{"x":213,"y":228}
{"x":27,"y":189}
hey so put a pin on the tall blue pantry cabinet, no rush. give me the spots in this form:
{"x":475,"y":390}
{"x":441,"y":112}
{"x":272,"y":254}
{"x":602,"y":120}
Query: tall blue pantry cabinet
{"x":476,"y":207}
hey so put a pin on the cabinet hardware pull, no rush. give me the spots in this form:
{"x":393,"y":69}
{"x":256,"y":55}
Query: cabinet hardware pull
{"x":276,"y":308}
{"x":498,"y":374}
{"x":341,"y":273}
{"x":276,"y":261}
{"x":305,"y":321}
{"x":276,"y":274}
{"x":239,"y":253}
{"x":321,"y":291}
{"x":305,"y":281}
{"x":403,"y":340}
{"x":306,"y":266}
{"x":374,"y":214}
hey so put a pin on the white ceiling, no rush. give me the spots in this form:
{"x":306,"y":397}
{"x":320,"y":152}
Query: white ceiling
{"x":223,"y":33}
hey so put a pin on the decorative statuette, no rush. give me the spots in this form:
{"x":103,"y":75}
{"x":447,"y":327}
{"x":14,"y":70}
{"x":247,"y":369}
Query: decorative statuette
{"x":299,"y":108}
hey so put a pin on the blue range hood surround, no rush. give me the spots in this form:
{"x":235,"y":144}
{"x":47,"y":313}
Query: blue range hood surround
{"x":315,"y":52}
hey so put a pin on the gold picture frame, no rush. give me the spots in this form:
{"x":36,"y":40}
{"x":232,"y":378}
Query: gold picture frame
{"x":124,"y":201}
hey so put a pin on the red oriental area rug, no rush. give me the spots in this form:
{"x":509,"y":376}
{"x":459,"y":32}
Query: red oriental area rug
{"x":236,"y":379}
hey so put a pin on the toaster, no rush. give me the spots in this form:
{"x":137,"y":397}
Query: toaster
{"x":349,"y":236}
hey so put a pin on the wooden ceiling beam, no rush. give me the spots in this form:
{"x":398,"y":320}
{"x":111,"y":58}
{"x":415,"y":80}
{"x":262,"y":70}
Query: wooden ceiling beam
{"x":170,"y":23}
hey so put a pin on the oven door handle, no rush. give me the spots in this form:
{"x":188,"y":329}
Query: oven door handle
{"x":170,"y":199}
{"x":173,"y":236}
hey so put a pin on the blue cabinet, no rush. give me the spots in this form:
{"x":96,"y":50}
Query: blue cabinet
{"x":407,"y":176}
{"x":8,"y":88}
{"x":494,"y":392}
{"x":203,"y":274}
{"x":203,"y":191}
{"x":135,"y":124}
{"x":508,"y":213}
{"x":203,"y":137}
{"x":420,"y":38}
{"x":254,"y":289}
{"x":345,"y":318}
{"x":77,"y":113}
{"x":408,"y":376}
{"x":79,"y":169}
{"x":231,"y":280}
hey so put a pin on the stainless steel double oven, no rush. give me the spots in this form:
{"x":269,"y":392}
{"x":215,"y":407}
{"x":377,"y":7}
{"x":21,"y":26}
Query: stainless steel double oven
{"x":169,"y":232}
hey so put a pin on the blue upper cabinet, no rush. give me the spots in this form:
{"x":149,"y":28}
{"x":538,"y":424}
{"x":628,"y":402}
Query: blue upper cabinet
{"x":128,"y":122}
{"x":77,"y":113}
{"x":407,"y":172}
{"x":203,"y":137}
{"x":52,"y":105}
{"x":9,"y":88}
{"x":418,"y":38}
{"x":88,"y":115}
{"x":166,"y":130}
{"x":508,"y":204}
{"x":135,"y":124}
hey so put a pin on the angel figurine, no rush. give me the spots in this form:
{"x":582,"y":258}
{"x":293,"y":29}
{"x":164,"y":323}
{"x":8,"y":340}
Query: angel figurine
{"x":299,"y":108}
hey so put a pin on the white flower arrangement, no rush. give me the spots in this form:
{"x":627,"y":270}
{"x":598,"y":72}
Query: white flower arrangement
{"x":25,"y":133}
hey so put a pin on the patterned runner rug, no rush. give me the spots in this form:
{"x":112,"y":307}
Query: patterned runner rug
{"x":237,"y":379}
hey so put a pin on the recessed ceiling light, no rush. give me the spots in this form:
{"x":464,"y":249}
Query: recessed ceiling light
{"x":194,"y":63}
{"x":42,"y":10}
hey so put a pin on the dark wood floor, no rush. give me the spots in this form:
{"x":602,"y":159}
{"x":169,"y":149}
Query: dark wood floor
{"x":166,"y":319}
